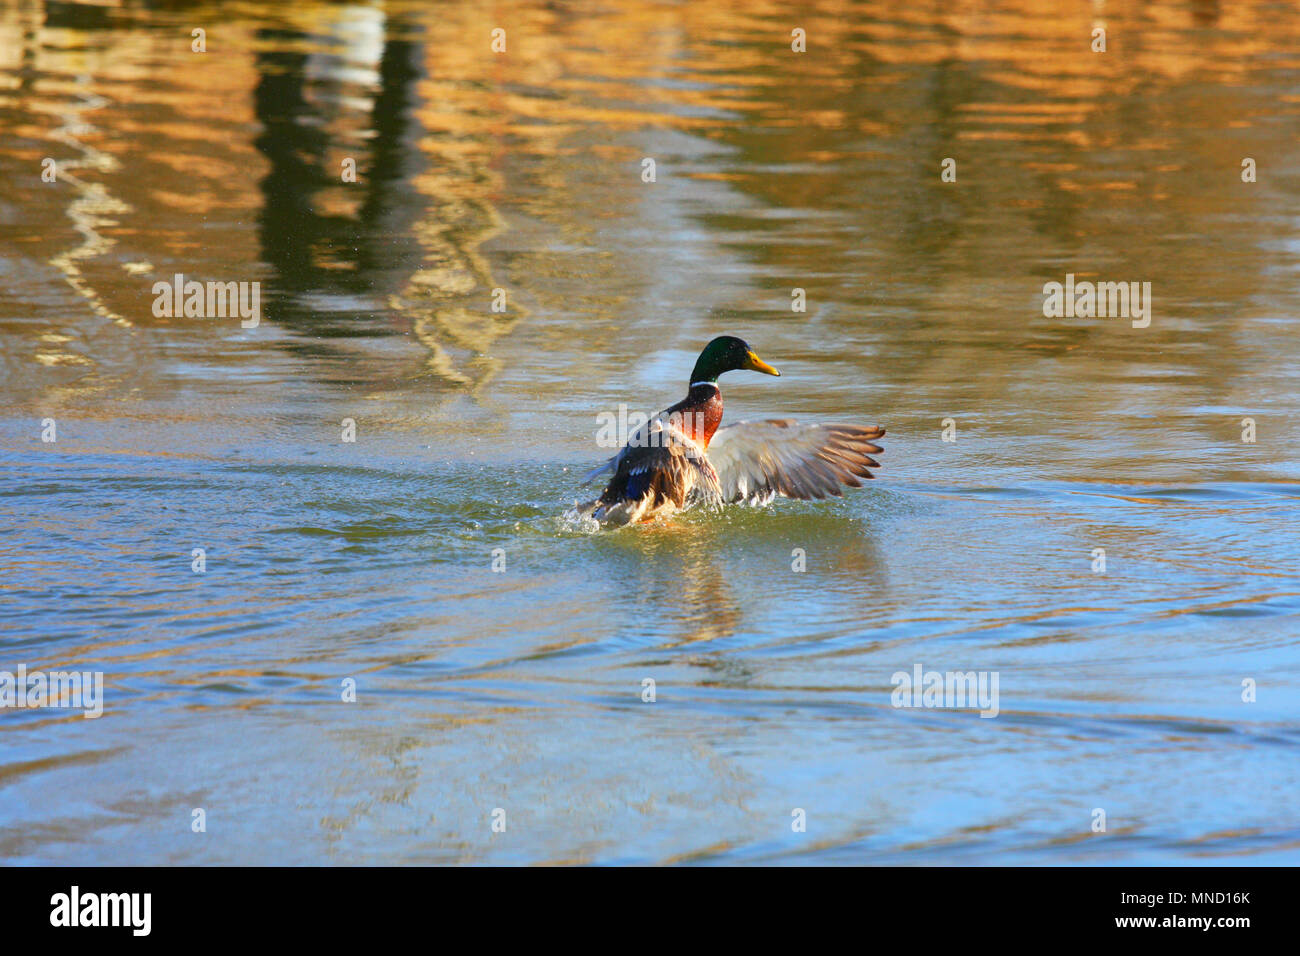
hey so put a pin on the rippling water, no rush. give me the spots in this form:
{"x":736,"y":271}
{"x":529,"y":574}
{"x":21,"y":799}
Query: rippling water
{"x":521,"y":689}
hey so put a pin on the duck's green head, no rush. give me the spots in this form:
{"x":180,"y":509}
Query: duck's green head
{"x":727,"y":353}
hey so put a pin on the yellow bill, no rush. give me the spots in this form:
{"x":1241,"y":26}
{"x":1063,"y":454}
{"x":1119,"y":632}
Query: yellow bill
{"x":754,"y":363}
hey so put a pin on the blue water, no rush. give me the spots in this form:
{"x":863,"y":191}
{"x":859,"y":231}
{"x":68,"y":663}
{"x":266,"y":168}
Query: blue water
{"x":499,"y":652}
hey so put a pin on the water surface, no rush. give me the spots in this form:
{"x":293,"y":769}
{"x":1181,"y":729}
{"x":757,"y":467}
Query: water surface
{"x":521,"y":689}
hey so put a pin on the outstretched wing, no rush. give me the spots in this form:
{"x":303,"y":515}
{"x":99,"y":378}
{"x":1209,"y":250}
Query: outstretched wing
{"x":756,"y":461}
{"x":658,"y":431}
{"x":606,"y":468}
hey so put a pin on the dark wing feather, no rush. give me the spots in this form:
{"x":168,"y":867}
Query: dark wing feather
{"x":668,"y":465}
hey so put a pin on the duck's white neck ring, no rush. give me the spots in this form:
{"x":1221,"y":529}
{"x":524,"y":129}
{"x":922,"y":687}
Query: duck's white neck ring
{"x":697,"y":384}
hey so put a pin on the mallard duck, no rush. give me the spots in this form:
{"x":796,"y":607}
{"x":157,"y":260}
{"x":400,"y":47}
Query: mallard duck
{"x":681,"y":455}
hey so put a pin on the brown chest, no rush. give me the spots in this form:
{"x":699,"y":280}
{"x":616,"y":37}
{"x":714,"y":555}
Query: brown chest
{"x":700,"y":413}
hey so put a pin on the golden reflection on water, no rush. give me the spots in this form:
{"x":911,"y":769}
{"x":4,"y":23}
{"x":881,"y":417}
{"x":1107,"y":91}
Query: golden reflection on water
{"x":225,"y":165}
